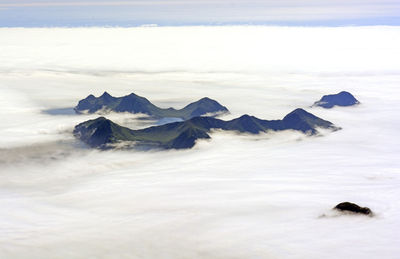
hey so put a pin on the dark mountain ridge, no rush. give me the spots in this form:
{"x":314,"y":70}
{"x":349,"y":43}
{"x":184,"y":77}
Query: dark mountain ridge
{"x":341,"y":99}
{"x":103,"y":133}
{"x":136,"y":104}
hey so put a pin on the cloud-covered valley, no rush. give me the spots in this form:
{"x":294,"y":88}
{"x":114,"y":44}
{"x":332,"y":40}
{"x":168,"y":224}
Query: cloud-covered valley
{"x":233,"y":196}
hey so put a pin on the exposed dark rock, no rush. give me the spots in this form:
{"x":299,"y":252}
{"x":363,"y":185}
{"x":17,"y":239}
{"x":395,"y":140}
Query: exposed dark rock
{"x":101,"y":132}
{"x":304,"y":121}
{"x":187,"y":139}
{"x":353,"y":208}
{"x":136,"y":104}
{"x":341,"y":99}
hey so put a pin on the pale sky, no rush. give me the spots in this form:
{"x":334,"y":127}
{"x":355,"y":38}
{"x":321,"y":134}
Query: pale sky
{"x":31,"y":13}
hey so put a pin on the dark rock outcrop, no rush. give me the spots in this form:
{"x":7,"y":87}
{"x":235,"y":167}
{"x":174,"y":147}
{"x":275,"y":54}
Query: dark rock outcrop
{"x":101,"y":133}
{"x":136,"y":104}
{"x":341,"y":99}
{"x":353,"y":208}
{"x":306,"y":122}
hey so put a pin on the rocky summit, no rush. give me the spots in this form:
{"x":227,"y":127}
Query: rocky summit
{"x":103,"y":133}
{"x":352,"y":208}
{"x":341,"y":99}
{"x":136,"y":104}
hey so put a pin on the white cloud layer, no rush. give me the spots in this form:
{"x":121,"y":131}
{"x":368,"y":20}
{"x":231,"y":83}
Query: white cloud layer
{"x":243,"y":48}
{"x":230,"y":197}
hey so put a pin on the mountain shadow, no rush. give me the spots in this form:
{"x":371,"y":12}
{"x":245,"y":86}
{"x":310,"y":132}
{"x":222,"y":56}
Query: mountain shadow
{"x":103,"y":133}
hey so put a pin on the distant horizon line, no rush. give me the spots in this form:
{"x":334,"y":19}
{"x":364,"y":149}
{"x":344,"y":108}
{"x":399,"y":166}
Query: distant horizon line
{"x":198,"y":25}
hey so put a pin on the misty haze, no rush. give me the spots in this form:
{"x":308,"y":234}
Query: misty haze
{"x":233,"y":195}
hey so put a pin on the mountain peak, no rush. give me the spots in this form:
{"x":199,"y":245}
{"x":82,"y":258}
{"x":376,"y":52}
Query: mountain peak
{"x":247,"y":123}
{"x":132,"y":95}
{"x":306,"y":122}
{"x":101,"y":132}
{"x":301,"y":113}
{"x":105,"y":98}
{"x":136,"y":104}
{"x":246,"y":117}
{"x":101,"y":119}
{"x":205,"y":99}
{"x":340,"y":99}
{"x":105,"y":94}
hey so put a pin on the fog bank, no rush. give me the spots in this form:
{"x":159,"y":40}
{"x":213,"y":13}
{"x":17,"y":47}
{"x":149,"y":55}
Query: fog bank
{"x":234,"y":196}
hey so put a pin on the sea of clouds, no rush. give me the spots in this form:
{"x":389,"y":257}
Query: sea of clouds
{"x":234,"y":196}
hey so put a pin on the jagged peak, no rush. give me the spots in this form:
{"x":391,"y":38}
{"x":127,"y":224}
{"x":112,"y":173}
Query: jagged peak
{"x":102,"y":118}
{"x":132,"y":95}
{"x":101,"y":121}
{"x":96,"y":122}
{"x":137,"y":104}
{"x":247,"y":117}
{"x":105,"y":94}
{"x":205,"y":99}
{"x":300,"y":112}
